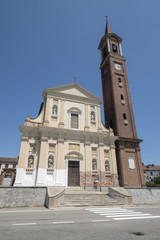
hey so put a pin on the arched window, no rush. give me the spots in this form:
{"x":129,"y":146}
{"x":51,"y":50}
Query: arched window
{"x":50,"y":161}
{"x":30,"y":161}
{"x":93,"y":116}
{"x":107,"y":167}
{"x":94,"y":164}
{"x":54,"y":111}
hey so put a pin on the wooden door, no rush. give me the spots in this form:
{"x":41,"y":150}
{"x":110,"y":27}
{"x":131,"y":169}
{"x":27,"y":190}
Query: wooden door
{"x":73,"y":173}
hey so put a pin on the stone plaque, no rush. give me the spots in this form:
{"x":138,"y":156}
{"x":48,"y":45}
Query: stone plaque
{"x":131,"y":163}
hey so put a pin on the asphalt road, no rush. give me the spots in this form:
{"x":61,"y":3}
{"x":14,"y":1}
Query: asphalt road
{"x":122,"y":223}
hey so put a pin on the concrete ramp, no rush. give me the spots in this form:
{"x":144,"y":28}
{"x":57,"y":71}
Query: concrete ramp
{"x":120,"y":194}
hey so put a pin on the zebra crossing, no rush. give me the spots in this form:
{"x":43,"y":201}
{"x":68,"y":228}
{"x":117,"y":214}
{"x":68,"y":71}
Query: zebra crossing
{"x":119,"y":213}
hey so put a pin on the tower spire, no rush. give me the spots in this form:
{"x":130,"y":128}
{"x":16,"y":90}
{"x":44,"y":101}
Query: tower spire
{"x":108,"y":28}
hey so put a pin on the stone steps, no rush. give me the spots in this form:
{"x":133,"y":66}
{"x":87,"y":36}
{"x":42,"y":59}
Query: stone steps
{"x":80,"y":197}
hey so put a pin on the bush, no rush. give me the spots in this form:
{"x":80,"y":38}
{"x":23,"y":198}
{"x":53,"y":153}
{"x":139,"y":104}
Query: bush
{"x":157,"y":180}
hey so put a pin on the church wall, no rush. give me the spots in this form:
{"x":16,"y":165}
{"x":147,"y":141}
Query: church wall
{"x":85,"y":116}
{"x":41,"y":176}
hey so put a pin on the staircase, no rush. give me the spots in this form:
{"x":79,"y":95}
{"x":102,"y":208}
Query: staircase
{"x":77,"y":197}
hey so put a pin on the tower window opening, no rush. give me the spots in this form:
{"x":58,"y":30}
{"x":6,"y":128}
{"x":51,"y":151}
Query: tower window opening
{"x":122,"y":100}
{"x":124,"y":116}
{"x":120,"y":82}
{"x":125,"y":119}
{"x":104,"y":52}
{"x":114,"y":48}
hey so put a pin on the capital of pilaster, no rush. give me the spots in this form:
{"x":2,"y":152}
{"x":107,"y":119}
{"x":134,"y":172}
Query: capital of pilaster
{"x":24,"y":138}
{"x":60,"y":140}
{"x":101,"y":144}
{"x":44,"y":139}
{"x":87,"y":143}
{"x":61,"y":125}
{"x":100,"y":130}
{"x":86,"y":128}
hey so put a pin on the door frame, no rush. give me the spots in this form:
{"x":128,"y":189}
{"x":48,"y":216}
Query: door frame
{"x":73,"y":160}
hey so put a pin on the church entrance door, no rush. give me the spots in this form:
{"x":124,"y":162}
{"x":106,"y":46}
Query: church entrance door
{"x":73,"y":173}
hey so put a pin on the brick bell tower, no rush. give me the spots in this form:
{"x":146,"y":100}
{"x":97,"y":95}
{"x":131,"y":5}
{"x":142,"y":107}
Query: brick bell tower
{"x":118,"y":110}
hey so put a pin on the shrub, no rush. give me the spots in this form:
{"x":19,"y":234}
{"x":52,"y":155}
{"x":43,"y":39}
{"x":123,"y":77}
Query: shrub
{"x":157,"y":180}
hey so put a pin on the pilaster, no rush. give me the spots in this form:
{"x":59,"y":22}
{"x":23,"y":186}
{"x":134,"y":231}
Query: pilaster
{"x":101,"y":156}
{"x":23,"y":154}
{"x":86,"y":128}
{"x":61,"y":123}
{"x":60,"y":162}
{"x":46,"y":120}
{"x":43,"y":152}
{"x":99,"y":119}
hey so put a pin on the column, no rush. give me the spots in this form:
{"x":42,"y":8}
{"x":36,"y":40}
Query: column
{"x":108,"y":45}
{"x":120,"y":49}
{"x":86,"y":128}
{"x":61,"y":171}
{"x":99,"y":119}
{"x":101,"y":156}
{"x":22,"y":164}
{"x":46,"y":120}
{"x":101,"y":163}
{"x":42,"y":165}
{"x":22,"y":156}
{"x":87,"y":174}
{"x":61,"y":123}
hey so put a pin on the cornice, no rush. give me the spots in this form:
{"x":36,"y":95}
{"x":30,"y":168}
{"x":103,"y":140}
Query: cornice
{"x":73,"y":98}
{"x":110,"y":55}
{"x":135,"y":140}
{"x":46,"y":130}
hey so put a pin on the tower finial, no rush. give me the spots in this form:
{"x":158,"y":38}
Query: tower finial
{"x":108,"y":28}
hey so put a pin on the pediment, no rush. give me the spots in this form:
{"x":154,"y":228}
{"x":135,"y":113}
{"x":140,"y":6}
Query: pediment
{"x":73,"y":91}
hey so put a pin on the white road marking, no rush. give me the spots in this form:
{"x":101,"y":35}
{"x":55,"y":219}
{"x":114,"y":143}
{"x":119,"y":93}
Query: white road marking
{"x":128,"y":218}
{"x":114,"y":211}
{"x":26,"y":211}
{"x":63,"y":222}
{"x":121,"y":213}
{"x":128,"y":215}
{"x":99,"y":209}
{"x":101,"y":220}
{"x":23,"y":224}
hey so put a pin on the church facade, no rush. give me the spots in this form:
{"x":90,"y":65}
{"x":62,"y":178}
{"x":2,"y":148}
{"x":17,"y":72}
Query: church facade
{"x":67,"y":144}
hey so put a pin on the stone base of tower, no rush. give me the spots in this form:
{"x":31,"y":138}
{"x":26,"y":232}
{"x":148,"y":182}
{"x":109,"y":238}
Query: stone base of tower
{"x":129,"y":162}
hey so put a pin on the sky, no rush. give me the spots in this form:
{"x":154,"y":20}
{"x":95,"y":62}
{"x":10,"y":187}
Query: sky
{"x":46,"y":43}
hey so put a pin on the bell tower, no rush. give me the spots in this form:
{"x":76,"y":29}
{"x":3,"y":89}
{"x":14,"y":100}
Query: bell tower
{"x":118,"y":110}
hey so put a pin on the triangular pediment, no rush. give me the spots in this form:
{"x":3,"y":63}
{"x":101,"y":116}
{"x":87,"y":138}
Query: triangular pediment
{"x":73,"y":90}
